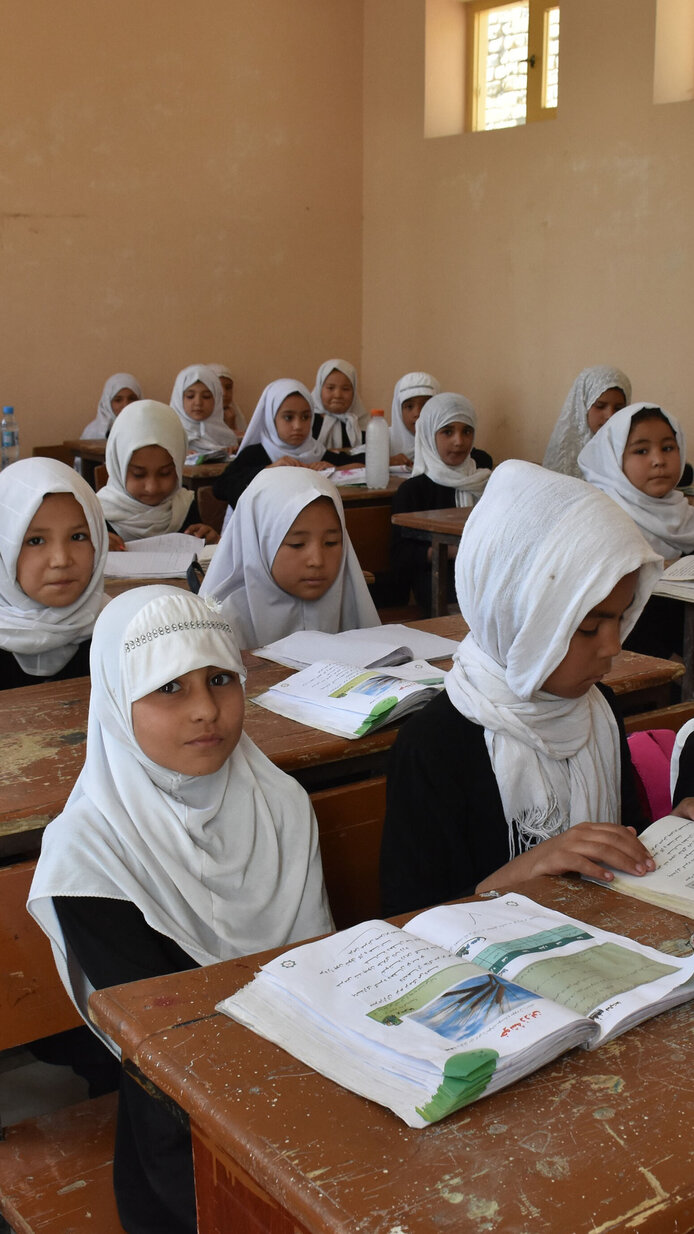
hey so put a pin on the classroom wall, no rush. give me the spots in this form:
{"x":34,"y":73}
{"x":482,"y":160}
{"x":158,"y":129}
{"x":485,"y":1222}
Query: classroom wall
{"x":505,"y":262}
{"x":180,"y":182}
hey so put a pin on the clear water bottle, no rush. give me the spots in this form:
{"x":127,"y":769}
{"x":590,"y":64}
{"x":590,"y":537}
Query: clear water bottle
{"x":377,"y":451}
{"x":9,"y":440}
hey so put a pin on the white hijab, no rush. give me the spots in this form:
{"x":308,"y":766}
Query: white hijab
{"x":103,"y":422}
{"x":224,"y":864}
{"x":240,"y":575}
{"x":412,"y":385}
{"x":144,"y":424}
{"x":212,"y":433}
{"x":571,"y":432}
{"x":262,"y":429}
{"x":221,"y":370}
{"x":666,"y":522}
{"x":467,"y":479}
{"x":43,"y":639}
{"x":354,"y":419}
{"x":537,"y":554}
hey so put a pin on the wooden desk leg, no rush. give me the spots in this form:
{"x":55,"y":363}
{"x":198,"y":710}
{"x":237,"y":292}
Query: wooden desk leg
{"x":439,"y":578}
{"x":229,"y":1199}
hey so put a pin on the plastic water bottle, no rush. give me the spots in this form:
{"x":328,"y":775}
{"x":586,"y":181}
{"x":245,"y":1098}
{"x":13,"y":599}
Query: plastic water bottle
{"x":9,"y":441}
{"x":377,"y":451}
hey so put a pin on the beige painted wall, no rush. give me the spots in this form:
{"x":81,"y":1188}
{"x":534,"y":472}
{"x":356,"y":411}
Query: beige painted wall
{"x":505,"y":262}
{"x":178,"y":182}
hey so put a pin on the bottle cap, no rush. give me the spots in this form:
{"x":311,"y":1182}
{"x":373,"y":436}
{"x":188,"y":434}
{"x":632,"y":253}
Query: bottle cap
{"x":8,"y":411}
{"x":377,"y":411}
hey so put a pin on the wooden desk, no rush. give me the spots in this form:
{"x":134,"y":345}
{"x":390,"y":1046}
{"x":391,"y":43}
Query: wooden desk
{"x":367,"y":518}
{"x":439,"y":528}
{"x":594,"y":1142}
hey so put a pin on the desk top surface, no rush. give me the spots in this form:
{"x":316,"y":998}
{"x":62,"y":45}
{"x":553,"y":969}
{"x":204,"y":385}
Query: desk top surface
{"x":442,"y":522}
{"x":594,"y":1142}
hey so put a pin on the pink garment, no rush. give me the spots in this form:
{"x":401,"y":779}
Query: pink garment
{"x":650,"y":754}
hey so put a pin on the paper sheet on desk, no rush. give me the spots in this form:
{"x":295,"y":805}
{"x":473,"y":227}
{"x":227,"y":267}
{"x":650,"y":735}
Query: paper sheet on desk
{"x":166,"y":556}
{"x":367,"y":648}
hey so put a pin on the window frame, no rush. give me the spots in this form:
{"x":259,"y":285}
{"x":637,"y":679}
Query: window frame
{"x":475,"y":56}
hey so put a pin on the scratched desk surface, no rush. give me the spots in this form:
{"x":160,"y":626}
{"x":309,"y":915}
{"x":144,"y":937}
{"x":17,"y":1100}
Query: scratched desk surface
{"x":594,"y":1142}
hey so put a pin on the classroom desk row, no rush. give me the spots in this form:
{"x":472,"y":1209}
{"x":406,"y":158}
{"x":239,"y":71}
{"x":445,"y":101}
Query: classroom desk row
{"x":594,"y":1142}
{"x":43,"y":734}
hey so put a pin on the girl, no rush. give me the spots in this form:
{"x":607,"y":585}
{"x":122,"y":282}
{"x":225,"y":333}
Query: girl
{"x":180,"y":845}
{"x":447,"y":472}
{"x":520,"y":767}
{"x":596,"y":394}
{"x":53,"y":546}
{"x":144,"y":458}
{"x":279,"y":435}
{"x":341,"y":417}
{"x":411,"y":393}
{"x":285,"y":561}
{"x":637,"y":458}
{"x":233,"y":415}
{"x":199,"y":404}
{"x":118,"y":391}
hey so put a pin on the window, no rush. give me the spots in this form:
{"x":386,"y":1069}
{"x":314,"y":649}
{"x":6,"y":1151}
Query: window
{"x":512,"y":62}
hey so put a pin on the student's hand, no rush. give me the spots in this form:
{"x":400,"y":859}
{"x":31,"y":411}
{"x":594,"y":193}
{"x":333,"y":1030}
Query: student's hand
{"x":685,"y":809}
{"x":319,"y":466}
{"x":115,"y":543}
{"x":285,"y":461}
{"x":587,"y":848}
{"x":400,"y":460}
{"x":203,"y":532}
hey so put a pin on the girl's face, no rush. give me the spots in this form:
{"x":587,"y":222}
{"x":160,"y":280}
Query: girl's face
{"x":56,"y":559}
{"x":594,"y":645}
{"x":610,"y":401}
{"x":293,"y":420}
{"x":227,"y":392}
{"x":651,"y":459}
{"x":122,"y":399}
{"x":191,"y":725}
{"x":454,"y":442}
{"x":411,"y":410}
{"x":337,"y":393}
{"x":151,"y":475}
{"x":308,"y":560}
{"x":198,"y":401}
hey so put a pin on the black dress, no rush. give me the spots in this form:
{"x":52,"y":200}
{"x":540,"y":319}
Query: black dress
{"x":238,"y":474}
{"x":445,"y":829}
{"x":12,"y":675}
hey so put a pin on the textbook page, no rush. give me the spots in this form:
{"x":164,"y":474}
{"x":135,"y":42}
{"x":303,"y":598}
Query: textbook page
{"x":670,"y":841}
{"x":372,"y":647}
{"x":167,"y":556}
{"x":678,"y":580}
{"x":610,"y":978}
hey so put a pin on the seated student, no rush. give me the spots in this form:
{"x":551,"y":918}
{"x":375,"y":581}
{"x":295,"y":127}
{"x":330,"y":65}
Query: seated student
{"x":233,"y":415}
{"x":521,"y":766}
{"x":637,"y":458}
{"x":118,"y":391}
{"x":596,"y":394}
{"x":180,"y":845}
{"x":285,"y":561}
{"x":341,"y":418}
{"x":199,"y":404}
{"x":53,"y":546}
{"x":279,"y":435}
{"x":448,"y":471}
{"x":144,"y":495}
{"x":409,"y":396}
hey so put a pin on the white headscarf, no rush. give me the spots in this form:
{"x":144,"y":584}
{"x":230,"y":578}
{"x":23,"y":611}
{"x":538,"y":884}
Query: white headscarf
{"x":467,"y":479}
{"x":103,"y":422}
{"x":571,"y":432}
{"x":224,"y":864}
{"x":537,"y":554}
{"x":240,"y":575}
{"x":212,"y":433}
{"x":666,"y":522}
{"x":355,"y":418}
{"x":221,"y":370}
{"x":412,"y":385}
{"x":43,"y":639}
{"x":144,"y":424}
{"x":262,"y":429}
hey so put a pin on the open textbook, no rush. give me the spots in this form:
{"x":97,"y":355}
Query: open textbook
{"x":678,"y":580}
{"x":337,"y":698}
{"x":670,"y":841}
{"x":374,"y":647}
{"x":167,"y":556}
{"x":462,"y":1001}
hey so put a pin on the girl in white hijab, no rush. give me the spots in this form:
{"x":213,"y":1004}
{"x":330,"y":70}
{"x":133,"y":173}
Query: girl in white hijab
{"x":343,"y":417}
{"x":521,"y":767}
{"x":409,"y":396}
{"x":180,"y":845}
{"x":118,"y":391}
{"x":198,"y":401}
{"x":276,"y":572}
{"x":233,"y":415}
{"x":53,"y":546}
{"x":596,"y":394}
{"x":144,"y":496}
